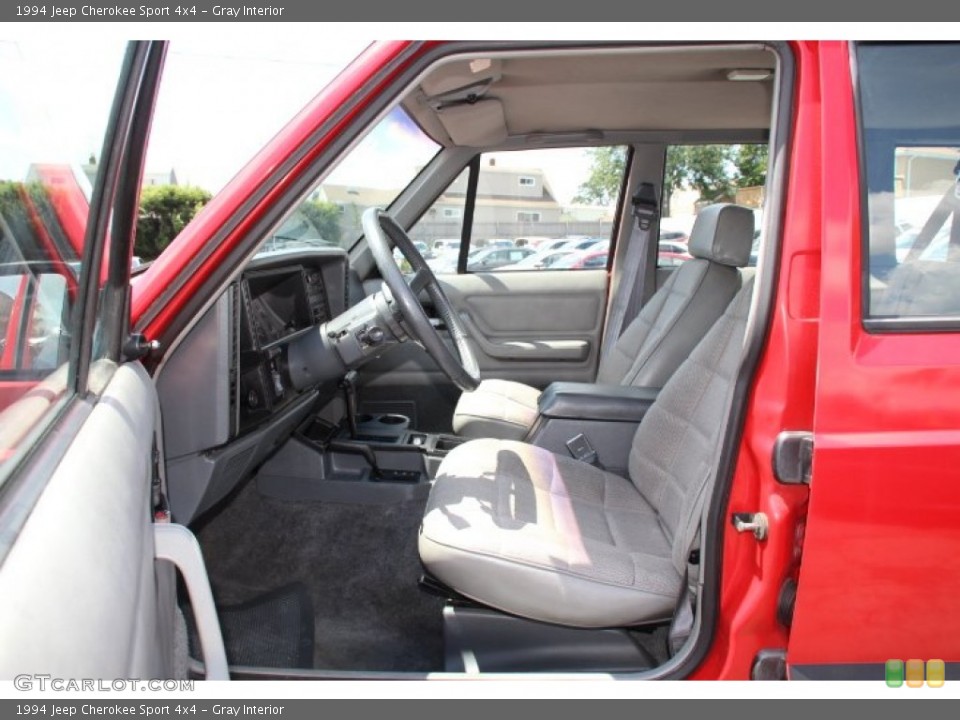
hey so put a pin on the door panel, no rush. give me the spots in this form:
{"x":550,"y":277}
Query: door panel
{"x":876,"y":582}
{"x":533,"y":327}
{"x":79,"y":587}
{"x":539,"y":307}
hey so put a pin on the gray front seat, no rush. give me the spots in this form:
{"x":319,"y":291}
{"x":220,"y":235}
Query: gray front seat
{"x":547,"y":537}
{"x":654,"y":344}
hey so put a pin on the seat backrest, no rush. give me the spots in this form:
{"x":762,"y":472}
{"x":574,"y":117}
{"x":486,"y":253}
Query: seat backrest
{"x":681,"y":312}
{"x":673,"y":455}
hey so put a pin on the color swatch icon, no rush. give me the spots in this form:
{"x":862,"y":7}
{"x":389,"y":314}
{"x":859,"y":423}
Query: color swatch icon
{"x":893,"y":672}
{"x":913,"y":672}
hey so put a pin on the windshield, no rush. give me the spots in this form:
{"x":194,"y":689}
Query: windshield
{"x":372,"y":174}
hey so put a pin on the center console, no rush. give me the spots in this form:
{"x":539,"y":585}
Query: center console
{"x":381,"y":460}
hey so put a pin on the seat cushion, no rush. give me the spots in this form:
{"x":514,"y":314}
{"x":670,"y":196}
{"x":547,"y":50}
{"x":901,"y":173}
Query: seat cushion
{"x":547,"y":537}
{"x":497,"y":409}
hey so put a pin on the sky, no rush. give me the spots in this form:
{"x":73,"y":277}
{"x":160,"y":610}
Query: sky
{"x":228,"y":88}
{"x":222,"y":98}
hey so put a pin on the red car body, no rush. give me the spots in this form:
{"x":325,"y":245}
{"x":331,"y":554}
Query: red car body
{"x":868,"y":542}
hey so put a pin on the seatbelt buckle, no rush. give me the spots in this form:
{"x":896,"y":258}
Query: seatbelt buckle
{"x":581,"y":449}
{"x":646,"y":206}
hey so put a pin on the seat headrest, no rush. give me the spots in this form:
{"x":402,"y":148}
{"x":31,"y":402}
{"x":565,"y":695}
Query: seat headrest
{"x":723,"y":233}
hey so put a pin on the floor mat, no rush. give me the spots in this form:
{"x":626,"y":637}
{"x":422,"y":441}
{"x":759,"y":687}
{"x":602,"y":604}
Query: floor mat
{"x":359,"y":563}
{"x":273,"y":630}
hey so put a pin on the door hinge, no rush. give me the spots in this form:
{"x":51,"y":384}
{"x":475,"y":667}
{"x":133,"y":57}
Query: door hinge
{"x":793,"y":457}
{"x":755,"y":523}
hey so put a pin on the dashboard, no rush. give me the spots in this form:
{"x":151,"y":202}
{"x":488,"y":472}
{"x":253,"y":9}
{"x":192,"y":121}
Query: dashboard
{"x":225,"y":390}
{"x":279,"y":298}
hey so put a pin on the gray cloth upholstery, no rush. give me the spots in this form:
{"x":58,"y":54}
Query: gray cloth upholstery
{"x":498,"y":408}
{"x":920,"y":288}
{"x":547,"y":537}
{"x":662,"y":335}
{"x":723,"y":233}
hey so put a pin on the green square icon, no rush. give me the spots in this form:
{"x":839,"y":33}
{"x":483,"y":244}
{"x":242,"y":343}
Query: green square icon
{"x":893,"y":671}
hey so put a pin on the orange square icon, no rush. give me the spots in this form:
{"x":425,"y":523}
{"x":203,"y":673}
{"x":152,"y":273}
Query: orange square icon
{"x":936,"y":673}
{"x":914,"y":673}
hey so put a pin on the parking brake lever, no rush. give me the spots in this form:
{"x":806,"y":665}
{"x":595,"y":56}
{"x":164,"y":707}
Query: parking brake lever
{"x":358,"y":448}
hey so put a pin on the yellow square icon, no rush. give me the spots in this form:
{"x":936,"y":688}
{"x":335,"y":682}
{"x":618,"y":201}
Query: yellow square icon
{"x":914,"y":673}
{"x":936,"y":673}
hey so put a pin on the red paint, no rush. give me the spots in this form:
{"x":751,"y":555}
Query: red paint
{"x":878,"y":579}
{"x":9,"y":360}
{"x":781,"y":399}
{"x":69,"y":203}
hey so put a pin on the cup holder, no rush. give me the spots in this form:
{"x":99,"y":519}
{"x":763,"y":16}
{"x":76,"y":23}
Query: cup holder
{"x":386,"y":427}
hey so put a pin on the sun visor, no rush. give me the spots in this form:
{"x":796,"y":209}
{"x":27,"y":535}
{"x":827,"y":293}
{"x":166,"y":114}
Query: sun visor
{"x":478,"y":124}
{"x":461,"y":75}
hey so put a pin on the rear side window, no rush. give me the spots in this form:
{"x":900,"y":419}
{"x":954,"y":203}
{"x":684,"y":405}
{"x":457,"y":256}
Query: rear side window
{"x":696,"y":176}
{"x":546,"y":209}
{"x":909,"y":98}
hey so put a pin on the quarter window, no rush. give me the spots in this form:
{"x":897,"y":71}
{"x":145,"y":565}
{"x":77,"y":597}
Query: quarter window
{"x":910,"y":138}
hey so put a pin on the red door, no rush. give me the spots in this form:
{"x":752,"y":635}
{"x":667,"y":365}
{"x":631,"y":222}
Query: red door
{"x":879,"y":578}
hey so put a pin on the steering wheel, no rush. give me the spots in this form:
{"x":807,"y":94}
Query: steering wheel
{"x":461,"y":367}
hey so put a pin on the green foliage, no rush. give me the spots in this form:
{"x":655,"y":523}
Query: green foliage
{"x":704,"y":168}
{"x":325,"y":217}
{"x":602,"y":187}
{"x":164,"y":211}
{"x":715,"y":171}
{"x":751,"y":164}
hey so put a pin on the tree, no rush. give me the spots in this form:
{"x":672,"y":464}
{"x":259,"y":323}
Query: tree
{"x":751,"y":163}
{"x":325,"y":217}
{"x":704,"y":168}
{"x":602,"y":187}
{"x":164,"y":211}
{"x":714,"y":171}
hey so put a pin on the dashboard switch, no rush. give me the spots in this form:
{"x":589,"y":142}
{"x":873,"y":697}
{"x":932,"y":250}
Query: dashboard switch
{"x":372,"y":336}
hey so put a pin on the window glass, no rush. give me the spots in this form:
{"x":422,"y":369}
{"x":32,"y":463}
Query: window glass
{"x":536,"y":207}
{"x":55,"y":98}
{"x":911,"y":142}
{"x":699,"y":175}
{"x":437,"y":233}
{"x":373,"y":174}
{"x":221,"y":100}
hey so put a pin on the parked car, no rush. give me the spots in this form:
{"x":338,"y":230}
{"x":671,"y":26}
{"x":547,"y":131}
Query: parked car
{"x":677,"y":248}
{"x":255,"y":464}
{"x":582,"y":260}
{"x":539,"y":260}
{"x":583,"y":243}
{"x":491,"y":258}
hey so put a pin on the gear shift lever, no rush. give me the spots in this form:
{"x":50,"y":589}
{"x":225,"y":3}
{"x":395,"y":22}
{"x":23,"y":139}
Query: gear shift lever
{"x":349,"y":386}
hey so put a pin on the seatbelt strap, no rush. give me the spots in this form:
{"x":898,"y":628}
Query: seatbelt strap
{"x":948,"y":205}
{"x":628,"y":296}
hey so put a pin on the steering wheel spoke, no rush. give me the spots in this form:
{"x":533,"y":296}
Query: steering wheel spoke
{"x":459,"y":365}
{"x":420,"y":280}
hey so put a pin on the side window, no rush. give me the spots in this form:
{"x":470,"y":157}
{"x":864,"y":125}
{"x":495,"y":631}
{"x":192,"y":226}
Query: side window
{"x":535,"y":210}
{"x":437,"y":233}
{"x":54,"y":116}
{"x":699,"y":175}
{"x":910,"y":144}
